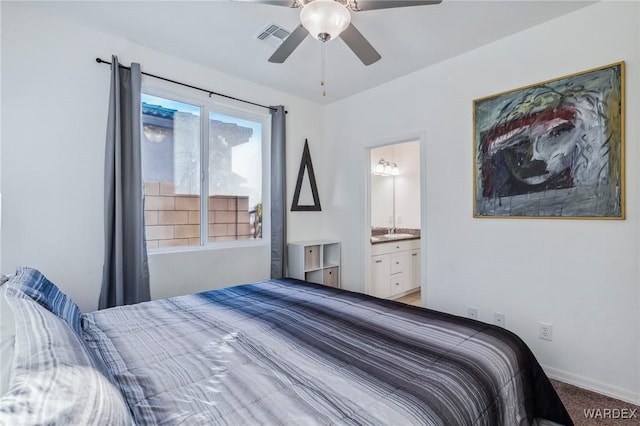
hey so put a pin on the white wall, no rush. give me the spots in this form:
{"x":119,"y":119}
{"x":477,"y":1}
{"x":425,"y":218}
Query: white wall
{"x":0,"y":154}
{"x":580,"y":276}
{"x":54,"y":112}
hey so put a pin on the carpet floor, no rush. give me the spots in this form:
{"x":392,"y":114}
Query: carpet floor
{"x":588,"y":408}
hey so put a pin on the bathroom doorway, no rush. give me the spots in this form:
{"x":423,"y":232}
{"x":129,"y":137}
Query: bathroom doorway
{"x":394,"y":246}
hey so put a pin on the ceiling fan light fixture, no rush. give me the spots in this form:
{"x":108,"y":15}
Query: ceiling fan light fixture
{"x":325,"y":19}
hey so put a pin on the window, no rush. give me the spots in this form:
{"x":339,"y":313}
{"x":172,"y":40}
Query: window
{"x":203,"y":173}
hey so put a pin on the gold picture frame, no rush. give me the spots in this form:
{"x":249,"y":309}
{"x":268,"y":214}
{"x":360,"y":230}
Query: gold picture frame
{"x":553,"y":149}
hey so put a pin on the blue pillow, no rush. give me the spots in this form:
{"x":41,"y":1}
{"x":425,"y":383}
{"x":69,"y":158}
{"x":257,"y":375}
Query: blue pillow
{"x":31,"y":282}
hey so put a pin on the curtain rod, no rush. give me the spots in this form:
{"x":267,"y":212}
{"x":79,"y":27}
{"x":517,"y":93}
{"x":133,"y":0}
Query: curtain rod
{"x":210,"y":92}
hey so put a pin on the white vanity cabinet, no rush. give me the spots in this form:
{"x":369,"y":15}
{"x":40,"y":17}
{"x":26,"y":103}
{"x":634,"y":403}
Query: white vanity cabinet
{"x":395,"y":268}
{"x":380,"y":276}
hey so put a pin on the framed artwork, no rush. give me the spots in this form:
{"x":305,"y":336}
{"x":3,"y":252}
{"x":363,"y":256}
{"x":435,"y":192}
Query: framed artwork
{"x":553,"y":149}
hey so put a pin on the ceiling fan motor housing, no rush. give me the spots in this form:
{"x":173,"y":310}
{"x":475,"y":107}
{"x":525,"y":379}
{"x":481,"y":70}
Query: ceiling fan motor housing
{"x":325,"y":19}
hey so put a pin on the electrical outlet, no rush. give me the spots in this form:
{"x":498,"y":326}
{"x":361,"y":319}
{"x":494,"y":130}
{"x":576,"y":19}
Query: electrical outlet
{"x":499,"y":319}
{"x":398,"y":219}
{"x":545,"y":331}
{"x":472,"y":313}
{"x":390,"y":220}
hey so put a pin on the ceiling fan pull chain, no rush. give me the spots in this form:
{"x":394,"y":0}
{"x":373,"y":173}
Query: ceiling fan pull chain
{"x":322,"y":70}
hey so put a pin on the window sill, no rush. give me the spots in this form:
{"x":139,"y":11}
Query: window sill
{"x":226,"y":245}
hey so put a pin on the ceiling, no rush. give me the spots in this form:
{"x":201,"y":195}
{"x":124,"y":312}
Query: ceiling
{"x":221,"y":34}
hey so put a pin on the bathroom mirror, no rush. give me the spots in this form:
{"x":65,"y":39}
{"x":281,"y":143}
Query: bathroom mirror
{"x":382,"y":190}
{"x":395,"y":186}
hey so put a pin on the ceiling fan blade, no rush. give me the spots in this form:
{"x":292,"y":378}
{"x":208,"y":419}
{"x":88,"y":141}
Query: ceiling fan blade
{"x":289,"y":45}
{"x":285,"y":3}
{"x":388,"y":4}
{"x":360,"y":46}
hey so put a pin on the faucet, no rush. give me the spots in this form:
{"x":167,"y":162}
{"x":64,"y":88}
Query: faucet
{"x":392,"y":230}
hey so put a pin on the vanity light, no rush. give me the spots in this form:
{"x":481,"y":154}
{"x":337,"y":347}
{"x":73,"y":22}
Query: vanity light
{"x":386,"y":168}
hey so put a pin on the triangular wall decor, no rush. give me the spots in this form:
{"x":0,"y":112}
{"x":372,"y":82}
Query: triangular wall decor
{"x":306,"y":164}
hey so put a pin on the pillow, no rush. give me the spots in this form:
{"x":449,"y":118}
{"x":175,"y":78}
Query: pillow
{"x":7,"y":337}
{"x":55,"y":378}
{"x":31,"y":282}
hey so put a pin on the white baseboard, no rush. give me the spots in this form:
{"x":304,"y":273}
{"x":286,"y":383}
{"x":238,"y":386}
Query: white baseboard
{"x":593,"y":385}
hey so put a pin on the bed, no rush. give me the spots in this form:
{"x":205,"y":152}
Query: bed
{"x":275,"y":352}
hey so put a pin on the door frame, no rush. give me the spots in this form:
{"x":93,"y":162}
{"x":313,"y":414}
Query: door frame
{"x":420,"y":137}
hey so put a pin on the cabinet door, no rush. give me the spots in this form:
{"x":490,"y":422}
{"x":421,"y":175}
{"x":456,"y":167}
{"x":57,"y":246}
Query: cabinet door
{"x":380,"y":276}
{"x":415,"y":269}
{"x":399,"y":283}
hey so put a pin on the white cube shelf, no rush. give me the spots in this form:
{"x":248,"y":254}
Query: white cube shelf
{"x":315,"y":261}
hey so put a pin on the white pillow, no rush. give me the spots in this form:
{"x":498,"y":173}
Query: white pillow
{"x":7,"y":338}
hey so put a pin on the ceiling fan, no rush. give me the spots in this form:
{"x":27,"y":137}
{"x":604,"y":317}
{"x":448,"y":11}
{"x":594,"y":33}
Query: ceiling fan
{"x":329,"y":19}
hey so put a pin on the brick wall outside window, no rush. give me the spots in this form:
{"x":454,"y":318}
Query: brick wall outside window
{"x":172,"y":220}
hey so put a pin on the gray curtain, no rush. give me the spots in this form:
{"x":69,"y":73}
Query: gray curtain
{"x":125,"y":278}
{"x":278,"y":193}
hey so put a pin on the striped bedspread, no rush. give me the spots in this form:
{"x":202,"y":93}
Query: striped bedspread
{"x":294,"y":353}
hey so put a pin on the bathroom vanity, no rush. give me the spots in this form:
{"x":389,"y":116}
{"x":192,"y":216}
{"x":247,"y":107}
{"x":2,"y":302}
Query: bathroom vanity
{"x":395,"y":265}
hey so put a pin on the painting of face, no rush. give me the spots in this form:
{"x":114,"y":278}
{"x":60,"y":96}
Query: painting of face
{"x":553,"y":149}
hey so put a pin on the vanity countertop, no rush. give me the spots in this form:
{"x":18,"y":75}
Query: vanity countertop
{"x":399,"y":235}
